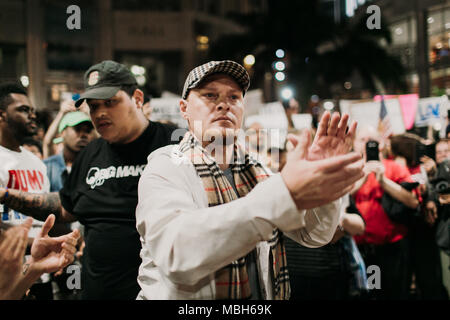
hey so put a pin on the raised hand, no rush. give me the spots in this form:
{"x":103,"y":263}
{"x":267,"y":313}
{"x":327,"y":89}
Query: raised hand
{"x":429,"y":165}
{"x":67,"y":106}
{"x":13,"y":244}
{"x":52,"y":254}
{"x":315,"y":183}
{"x":332,"y":138}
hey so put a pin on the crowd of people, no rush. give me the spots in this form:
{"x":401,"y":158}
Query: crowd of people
{"x":147,"y":210}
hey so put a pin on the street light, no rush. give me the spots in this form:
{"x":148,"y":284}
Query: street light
{"x":280,"y":53}
{"x":249,"y":60}
{"x":328,"y":105}
{"x":280,"y":76}
{"x":137,"y":70}
{"x":287,"y":93}
{"x":280,"y":66}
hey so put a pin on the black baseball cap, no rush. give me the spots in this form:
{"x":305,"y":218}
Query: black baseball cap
{"x":104,"y":80}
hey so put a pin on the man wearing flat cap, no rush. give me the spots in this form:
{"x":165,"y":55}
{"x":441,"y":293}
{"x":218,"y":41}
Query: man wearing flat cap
{"x":101,"y":190}
{"x":210,"y":217}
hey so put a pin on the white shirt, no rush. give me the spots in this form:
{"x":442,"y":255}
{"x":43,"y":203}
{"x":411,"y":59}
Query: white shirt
{"x":184,"y":241}
{"x":26,"y":172}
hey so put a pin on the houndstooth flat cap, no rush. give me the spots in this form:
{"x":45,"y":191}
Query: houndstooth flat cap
{"x":231,"y":68}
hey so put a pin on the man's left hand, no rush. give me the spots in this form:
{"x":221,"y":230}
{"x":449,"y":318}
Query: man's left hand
{"x":332,"y":138}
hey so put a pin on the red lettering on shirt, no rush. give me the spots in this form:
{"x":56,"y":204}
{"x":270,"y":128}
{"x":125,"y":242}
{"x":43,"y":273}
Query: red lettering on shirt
{"x":13,"y":181}
{"x":25,"y":180}
{"x":33,"y":179}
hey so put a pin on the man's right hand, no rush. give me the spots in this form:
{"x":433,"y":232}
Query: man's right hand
{"x":316,"y":183}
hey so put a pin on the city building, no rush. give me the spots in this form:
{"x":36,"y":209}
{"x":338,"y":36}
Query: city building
{"x":42,"y":45}
{"x":420,"y":31}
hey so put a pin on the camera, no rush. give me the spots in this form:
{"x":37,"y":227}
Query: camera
{"x":442,"y":187}
{"x":428,"y":150}
{"x":441,"y":183}
{"x":372,"y":151}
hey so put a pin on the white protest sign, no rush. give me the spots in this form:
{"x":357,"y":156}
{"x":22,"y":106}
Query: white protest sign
{"x":368,"y":113}
{"x":302,"y":121}
{"x":253,"y":102}
{"x":431,"y":110}
{"x":168,"y":94}
{"x":273,"y":118}
{"x":167,"y":109}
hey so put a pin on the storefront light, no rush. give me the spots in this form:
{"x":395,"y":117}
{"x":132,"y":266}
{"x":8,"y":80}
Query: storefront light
{"x":287,"y":93}
{"x":25,"y":81}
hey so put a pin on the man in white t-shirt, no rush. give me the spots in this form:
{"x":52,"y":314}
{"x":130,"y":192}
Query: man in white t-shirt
{"x":20,"y":169}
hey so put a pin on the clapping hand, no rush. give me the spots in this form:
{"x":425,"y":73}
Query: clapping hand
{"x":315,"y":183}
{"x":13,"y":244}
{"x":332,"y":137}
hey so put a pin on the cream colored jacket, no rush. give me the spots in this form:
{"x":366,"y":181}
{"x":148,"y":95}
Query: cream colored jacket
{"x":184,"y":241}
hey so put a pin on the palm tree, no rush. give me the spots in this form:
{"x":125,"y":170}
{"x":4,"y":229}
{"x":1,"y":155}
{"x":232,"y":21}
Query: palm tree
{"x":320,"y":54}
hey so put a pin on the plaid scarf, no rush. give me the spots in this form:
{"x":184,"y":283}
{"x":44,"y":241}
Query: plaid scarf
{"x":232,"y":281}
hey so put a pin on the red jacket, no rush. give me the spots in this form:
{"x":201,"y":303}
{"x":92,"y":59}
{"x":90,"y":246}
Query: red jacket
{"x":379,"y":228}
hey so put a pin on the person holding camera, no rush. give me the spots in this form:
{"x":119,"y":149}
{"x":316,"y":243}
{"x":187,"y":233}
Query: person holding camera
{"x":440,"y":186}
{"x":417,"y":154}
{"x":383,"y":243}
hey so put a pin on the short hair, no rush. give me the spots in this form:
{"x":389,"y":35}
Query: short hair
{"x":5,"y":93}
{"x":32,"y":142}
{"x":129,"y":89}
